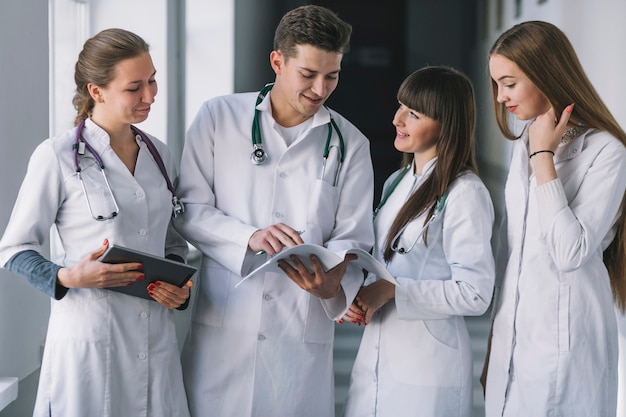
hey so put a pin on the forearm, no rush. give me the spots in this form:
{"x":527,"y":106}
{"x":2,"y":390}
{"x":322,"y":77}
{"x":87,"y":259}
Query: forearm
{"x":38,"y":271}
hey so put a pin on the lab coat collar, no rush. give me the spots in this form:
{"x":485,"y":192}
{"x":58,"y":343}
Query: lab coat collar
{"x":320,"y":118}
{"x":572,"y":149}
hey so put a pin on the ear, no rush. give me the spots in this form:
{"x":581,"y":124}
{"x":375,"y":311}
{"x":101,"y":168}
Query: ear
{"x":95,"y":92}
{"x":277,"y":61}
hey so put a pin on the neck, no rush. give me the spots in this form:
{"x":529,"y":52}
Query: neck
{"x":420,"y":159}
{"x":282,"y":112}
{"x":119,"y":133}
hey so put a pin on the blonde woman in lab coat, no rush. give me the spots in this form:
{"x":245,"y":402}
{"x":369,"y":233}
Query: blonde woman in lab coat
{"x":106,"y":353}
{"x":433,"y":230}
{"x":554,"y":343}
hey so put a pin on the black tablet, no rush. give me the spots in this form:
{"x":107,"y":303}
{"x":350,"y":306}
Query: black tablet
{"x":154,"y":268}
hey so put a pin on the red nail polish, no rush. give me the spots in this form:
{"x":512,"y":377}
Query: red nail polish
{"x":150,"y":293}
{"x":158,"y":283}
{"x":340,"y":321}
{"x":140,"y":278}
{"x":106,"y":242}
{"x":139,"y":266}
{"x":150,"y":287}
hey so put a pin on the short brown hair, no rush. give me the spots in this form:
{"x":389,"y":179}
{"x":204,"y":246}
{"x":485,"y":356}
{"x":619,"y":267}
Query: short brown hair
{"x":312,"y":25}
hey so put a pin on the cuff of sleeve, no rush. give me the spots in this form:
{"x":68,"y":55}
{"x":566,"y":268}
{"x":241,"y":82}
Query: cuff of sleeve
{"x":551,"y":196}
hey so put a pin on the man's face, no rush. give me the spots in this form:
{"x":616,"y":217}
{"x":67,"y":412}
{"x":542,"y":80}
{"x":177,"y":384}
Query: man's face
{"x":303,"y":83}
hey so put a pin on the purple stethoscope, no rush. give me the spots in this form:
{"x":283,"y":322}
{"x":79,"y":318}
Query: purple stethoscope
{"x":81,"y":144}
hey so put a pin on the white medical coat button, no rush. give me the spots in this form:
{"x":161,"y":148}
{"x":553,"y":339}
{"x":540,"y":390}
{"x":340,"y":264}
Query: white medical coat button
{"x":139,"y":193}
{"x":267,"y":297}
{"x":261,"y":338}
{"x":142,"y":356}
{"x":278,"y":214}
{"x":143,"y":315}
{"x":283,"y":175}
{"x":142,"y":232}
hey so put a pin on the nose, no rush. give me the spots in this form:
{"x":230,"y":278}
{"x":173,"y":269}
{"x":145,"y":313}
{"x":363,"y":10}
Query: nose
{"x":397,"y":118}
{"x":501,"y":97}
{"x":318,"y":86}
{"x":149,"y":92}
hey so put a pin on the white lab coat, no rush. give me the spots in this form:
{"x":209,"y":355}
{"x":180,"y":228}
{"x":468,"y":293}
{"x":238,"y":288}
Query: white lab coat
{"x":106,"y":354}
{"x":415,"y":357}
{"x":554,"y":346}
{"x":265,"y":348}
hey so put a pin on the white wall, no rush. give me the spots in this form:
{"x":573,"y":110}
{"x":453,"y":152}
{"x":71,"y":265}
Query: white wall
{"x":23,"y":124}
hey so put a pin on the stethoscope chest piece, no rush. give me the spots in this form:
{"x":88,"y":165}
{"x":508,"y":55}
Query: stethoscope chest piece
{"x":258,"y":155}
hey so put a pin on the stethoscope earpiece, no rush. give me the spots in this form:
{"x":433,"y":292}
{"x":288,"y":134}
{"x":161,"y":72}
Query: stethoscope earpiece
{"x":258,"y":155}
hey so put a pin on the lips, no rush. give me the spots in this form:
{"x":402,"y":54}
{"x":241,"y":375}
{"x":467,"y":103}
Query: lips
{"x":401,"y":135}
{"x":511,"y":108}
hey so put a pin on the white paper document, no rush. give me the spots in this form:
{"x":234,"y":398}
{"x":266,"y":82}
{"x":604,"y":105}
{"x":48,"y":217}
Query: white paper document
{"x":328,"y":259}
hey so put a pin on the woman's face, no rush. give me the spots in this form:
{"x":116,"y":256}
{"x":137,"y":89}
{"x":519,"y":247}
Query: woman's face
{"x":416,"y":133}
{"x":128,"y":97}
{"x":520,"y":96}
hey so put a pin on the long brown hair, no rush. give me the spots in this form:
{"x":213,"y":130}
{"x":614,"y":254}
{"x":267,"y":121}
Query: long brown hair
{"x":96,"y":64}
{"x":543,"y":52}
{"x":447,"y":96}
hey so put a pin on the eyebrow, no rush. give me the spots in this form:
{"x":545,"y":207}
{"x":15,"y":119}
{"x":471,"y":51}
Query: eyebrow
{"x":505,"y":76}
{"x":139,"y":81}
{"x":318,"y":72}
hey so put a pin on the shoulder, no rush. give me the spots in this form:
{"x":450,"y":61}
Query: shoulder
{"x":466,"y":185}
{"x":230,"y":101}
{"x":600,"y":140}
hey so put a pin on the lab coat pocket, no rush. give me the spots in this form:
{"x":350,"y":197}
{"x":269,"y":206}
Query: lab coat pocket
{"x":564,"y":296}
{"x":318,"y":327}
{"x":426,"y":356}
{"x":81,"y":316}
{"x":322,"y":208}
{"x":212,"y":296}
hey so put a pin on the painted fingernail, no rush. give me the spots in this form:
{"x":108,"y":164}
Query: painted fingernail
{"x":158,"y":283}
{"x":340,"y":321}
{"x":570,"y":108}
{"x":106,"y":242}
{"x":139,"y":266}
{"x":150,"y":293}
{"x":150,"y":287}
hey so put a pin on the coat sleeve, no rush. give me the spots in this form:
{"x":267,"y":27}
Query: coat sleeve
{"x":206,"y":227}
{"x":34,"y":212}
{"x":467,"y":229}
{"x":573,"y":231}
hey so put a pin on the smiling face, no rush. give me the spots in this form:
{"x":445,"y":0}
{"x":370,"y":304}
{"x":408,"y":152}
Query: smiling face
{"x":129,"y":95}
{"x":416,"y":133}
{"x":303,"y":83}
{"x":515,"y":90}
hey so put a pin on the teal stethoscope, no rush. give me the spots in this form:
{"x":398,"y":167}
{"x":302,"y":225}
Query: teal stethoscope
{"x":259,"y":155}
{"x":80,"y":144}
{"x":440,"y":203}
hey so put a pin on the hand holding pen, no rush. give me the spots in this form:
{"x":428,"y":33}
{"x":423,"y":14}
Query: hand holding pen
{"x":274,"y":238}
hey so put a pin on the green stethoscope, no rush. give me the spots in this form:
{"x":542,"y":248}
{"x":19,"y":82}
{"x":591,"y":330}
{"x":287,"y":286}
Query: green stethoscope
{"x":440,"y":203}
{"x":259,"y":155}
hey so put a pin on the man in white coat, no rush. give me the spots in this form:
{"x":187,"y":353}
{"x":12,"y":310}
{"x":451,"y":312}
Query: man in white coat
{"x":265,"y":347}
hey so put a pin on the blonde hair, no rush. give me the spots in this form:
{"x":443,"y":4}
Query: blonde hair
{"x":544,"y":53}
{"x":96,"y":64}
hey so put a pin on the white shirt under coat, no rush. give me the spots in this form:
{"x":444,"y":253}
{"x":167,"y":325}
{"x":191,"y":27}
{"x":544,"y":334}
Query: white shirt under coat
{"x":106,"y":354}
{"x":554,"y":346}
{"x":415,"y":356}
{"x":265,"y":348}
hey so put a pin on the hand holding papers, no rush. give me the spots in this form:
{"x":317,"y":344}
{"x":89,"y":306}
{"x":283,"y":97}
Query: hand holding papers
{"x":328,"y":259}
